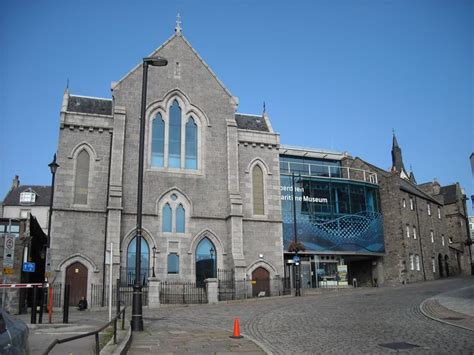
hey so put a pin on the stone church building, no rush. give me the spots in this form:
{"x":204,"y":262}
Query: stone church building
{"x":211,"y":181}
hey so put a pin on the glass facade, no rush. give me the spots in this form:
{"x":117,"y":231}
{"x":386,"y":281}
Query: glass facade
{"x":332,"y":214}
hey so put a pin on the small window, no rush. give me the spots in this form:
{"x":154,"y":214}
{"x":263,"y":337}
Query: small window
{"x":412,"y":262}
{"x":408,"y":231}
{"x":439,"y":213}
{"x":442,"y":240}
{"x":411,"y":204}
{"x":27,"y":197}
{"x":433,"y":264}
{"x":428,"y":207}
{"x":13,"y":229}
{"x":404,"y":203}
{"x":173,"y":263}
{"x":450,"y":240}
{"x":167,"y":216}
{"x":432,"y":236}
{"x":417,"y":262}
{"x":414,"y":232}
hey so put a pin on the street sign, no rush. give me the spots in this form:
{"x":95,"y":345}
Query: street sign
{"x":7,"y":271}
{"x":9,"y":250}
{"x":29,"y":267}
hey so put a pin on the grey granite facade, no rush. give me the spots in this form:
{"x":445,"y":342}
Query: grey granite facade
{"x":216,"y":196}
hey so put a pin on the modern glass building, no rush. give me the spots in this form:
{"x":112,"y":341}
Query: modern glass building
{"x":338,"y":217}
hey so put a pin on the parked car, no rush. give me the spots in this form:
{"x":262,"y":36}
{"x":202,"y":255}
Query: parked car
{"x":13,"y":335}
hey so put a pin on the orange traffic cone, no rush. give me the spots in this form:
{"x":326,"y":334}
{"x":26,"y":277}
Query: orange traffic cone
{"x":236,"y":334}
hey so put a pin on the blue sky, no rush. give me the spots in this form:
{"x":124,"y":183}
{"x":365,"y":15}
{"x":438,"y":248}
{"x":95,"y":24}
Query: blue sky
{"x":334,"y":74}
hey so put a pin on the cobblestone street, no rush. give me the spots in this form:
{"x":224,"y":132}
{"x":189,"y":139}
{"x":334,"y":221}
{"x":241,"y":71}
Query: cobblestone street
{"x":345,"y":321}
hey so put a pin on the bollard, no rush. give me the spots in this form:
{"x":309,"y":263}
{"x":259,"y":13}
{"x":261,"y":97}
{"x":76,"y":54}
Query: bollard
{"x":33,"y":306}
{"x":41,"y":305}
{"x":66,"y":305}
{"x":117,"y":298}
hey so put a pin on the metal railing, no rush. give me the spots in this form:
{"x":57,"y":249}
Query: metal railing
{"x":177,"y":292}
{"x":328,"y":171}
{"x":125,"y":294}
{"x":95,"y":333}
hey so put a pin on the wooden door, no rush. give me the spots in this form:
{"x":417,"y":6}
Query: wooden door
{"x":76,"y":277}
{"x":260,"y":282}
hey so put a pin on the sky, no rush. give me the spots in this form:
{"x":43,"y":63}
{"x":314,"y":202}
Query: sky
{"x":337,"y":74}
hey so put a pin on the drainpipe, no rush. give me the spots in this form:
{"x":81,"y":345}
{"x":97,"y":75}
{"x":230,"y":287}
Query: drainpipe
{"x":419,"y":238}
{"x":106,"y":220}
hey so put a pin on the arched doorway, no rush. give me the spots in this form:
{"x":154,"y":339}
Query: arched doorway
{"x":440,"y":265}
{"x":446,"y":265}
{"x":206,"y":261}
{"x":76,"y":277}
{"x":145,"y":262}
{"x":260,"y":282}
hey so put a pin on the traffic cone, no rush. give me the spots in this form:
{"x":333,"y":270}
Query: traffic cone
{"x":236,"y":334}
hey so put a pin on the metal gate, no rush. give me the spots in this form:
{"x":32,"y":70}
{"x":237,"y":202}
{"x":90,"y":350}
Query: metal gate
{"x":226,"y":285}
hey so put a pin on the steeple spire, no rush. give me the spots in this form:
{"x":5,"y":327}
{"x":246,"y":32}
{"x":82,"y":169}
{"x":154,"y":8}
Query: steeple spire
{"x":397,"y":159}
{"x":177,"y":29}
{"x":394,"y":141}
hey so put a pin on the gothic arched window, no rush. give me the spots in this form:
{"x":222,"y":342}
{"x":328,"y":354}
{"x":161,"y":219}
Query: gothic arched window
{"x":257,"y":188}
{"x":145,"y":261}
{"x":81,"y":182}
{"x":174,"y":158}
{"x":191,"y":144}
{"x":167,"y":218}
{"x":158,"y":141}
{"x":180,"y":219}
{"x":206,"y":261}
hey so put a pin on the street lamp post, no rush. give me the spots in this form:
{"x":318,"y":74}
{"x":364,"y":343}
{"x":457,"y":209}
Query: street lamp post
{"x":53,"y":166}
{"x":211,"y":251}
{"x":295,"y":234}
{"x":137,"y":316}
{"x":154,"y":254}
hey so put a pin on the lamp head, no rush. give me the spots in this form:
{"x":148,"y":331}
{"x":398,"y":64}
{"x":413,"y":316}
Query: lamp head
{"x":53,"y":166}
{"x":155,"y":61}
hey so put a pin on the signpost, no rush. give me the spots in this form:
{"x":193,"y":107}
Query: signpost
{"x":9,"y":251}
{"x":29,"y":267}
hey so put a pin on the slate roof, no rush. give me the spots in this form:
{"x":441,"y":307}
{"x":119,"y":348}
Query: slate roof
{"x":90,"y":105}
{"x":415,"y":190}
{"x":43,"y":195}
{"x":251,"y":122}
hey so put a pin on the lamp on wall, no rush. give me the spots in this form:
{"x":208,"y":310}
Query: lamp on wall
{"x":137,"y":312}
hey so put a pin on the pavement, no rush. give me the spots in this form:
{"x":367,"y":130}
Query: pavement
{"x":267,"y":327}
{"x":455,"y":308}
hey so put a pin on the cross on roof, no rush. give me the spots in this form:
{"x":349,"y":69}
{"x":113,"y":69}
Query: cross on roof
{"x":178,"y":24}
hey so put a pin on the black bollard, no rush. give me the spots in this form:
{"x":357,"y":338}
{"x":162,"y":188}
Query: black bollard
{"x":33,"y":306}
{"x":66,"y":305}
{"x":42,"y":299}
{"x":117,"y":297}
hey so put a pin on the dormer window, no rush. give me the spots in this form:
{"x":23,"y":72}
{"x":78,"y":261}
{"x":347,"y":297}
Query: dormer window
{"x":27,"y":197}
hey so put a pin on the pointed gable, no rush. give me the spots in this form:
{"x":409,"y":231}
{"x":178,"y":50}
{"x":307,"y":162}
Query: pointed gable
{"x":178,"y":41}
